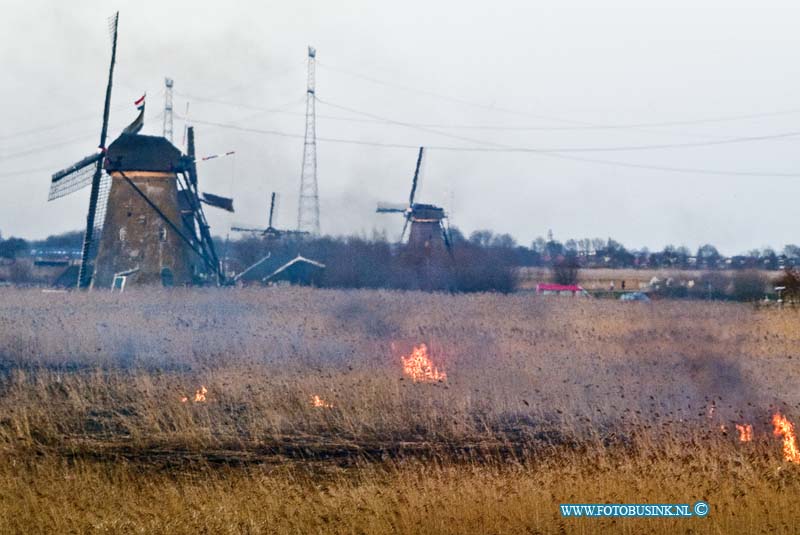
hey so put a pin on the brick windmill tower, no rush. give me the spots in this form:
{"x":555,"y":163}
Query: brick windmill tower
{"x":139,"y":240}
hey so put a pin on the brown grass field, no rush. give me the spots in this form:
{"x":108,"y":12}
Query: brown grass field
{"x":545,"y":401}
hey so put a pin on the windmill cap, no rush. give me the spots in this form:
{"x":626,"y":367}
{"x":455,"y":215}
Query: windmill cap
{"x":133,"y":152}
{"x":426,"y":211}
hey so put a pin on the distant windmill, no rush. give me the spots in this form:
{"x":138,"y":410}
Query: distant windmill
{"x":428,"y":228}
{"x":270,"y":232}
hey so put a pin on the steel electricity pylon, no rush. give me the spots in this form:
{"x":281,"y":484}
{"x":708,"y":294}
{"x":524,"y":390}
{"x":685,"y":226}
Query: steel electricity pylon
{"x":308,"y":205}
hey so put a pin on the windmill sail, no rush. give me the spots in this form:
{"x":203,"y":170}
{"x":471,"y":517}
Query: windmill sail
{"x":391,"y":208}
{"x":245,"y":228}
{"x":271,"y":209}
{"x":416,"y":177}
{"x":93,"y":224}
{"x":269,"y":232}
{"x":197,"y":218}
{"x":216,"y":201}
{"x":74,"y":177}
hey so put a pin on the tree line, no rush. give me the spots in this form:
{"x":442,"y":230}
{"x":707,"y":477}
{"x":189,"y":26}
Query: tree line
{"x":542,"y":252}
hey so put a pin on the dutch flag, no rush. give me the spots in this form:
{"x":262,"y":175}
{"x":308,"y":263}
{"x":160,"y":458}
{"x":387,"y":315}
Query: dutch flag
{"x":138,"y":123}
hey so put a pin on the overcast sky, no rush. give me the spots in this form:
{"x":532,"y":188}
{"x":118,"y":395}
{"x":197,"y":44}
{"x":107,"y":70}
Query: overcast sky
{"x":543,"y":75}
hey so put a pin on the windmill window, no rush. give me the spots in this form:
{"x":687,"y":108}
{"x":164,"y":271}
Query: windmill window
{"x":162,"y":234}
{"x":142,"y":219}
{"x":167,"y":278}
{"x":123,"y":233}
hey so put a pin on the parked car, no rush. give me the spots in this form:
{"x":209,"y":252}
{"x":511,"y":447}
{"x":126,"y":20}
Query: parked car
{"x":634,"y":296}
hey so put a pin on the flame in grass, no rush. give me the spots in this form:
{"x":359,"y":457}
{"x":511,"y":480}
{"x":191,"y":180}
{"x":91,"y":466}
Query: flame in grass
{"x":745,"y":432}
{"x":320,"y":403}
{"x":783,"y":427}
{"x":199,"y":395}
{"x":419,"y":367}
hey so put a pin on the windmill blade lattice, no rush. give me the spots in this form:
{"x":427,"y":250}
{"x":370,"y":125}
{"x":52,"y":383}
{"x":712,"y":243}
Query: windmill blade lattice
{"x":100,"y":216}
{"x":74,"y":177}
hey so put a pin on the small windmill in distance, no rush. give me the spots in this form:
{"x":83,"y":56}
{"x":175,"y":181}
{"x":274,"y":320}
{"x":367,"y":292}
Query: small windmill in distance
{"x":269,"y":233}
{"x":428,"y":230}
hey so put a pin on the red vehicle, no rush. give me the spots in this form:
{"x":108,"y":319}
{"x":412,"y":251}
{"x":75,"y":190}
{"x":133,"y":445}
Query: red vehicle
{"x":561,"y":289}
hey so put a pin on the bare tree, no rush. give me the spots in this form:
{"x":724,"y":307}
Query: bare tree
{"x":565,"y":271}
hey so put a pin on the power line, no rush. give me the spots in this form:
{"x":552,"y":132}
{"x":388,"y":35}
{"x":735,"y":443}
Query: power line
{"x":616,"y":163}
{"x":25,"y":172}
{"x":38,"y":149}
{"x":409,"y":125}
{"x":498,"y":147}
{"x":376,"y":120}
{"x":278,"y":109}
{"x":445,"y":97}
{"x":579,"y":125}
{"x":283,"y":110}
{"x":54,"y":126}
{"x":624,"y":148}
{"x":271,"y":75}
{"x":451,"y":126}
{"x":240,"y":128}
{"x":44,"y":148}
{"x":613,"y":163}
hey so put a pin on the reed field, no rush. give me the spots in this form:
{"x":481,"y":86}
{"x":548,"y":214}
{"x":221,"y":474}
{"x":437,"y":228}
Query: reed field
{"x":289,"y":410}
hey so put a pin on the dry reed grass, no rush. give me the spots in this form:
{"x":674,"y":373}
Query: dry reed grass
{"x":747,"y":493}
{"x":546,"y":401}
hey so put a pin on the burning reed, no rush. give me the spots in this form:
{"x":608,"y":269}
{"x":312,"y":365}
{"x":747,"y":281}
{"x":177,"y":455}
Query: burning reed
{"x":468,"y":387}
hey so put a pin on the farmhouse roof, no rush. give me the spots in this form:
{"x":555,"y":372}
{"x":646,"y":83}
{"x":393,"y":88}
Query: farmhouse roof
{"x":297,"y":260}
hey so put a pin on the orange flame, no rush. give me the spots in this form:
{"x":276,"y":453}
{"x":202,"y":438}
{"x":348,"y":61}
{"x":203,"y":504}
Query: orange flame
{"x":783,"y":427}
{"x":419,"y":368}
{"x":199,"y":395}
{"x":318,"y":402}
{"x":745,"y":432}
